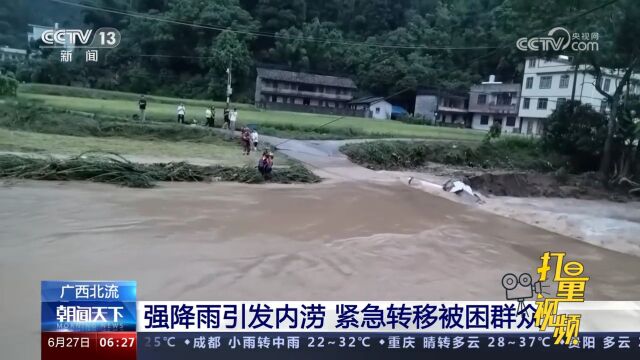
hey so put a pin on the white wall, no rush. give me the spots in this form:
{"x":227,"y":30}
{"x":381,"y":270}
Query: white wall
{"x":380,"y":110}
{"x":477,"y":119}
{"x":531,"y":126}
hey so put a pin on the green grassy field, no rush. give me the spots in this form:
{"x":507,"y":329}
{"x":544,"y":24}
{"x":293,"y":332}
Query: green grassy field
{"x":23,"y":141}
{"x":286,"y":124}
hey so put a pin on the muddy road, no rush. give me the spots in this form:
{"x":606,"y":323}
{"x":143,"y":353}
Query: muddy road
{"x":331,"y":241}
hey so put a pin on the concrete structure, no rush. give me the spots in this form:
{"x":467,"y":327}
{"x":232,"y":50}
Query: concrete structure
{"x":447,"y":107}
{"x":546,"y":83}
{"x":297,"y":91}
{"x":492,"y":102}
{"x":11,"y":54}
{"x":374,"y":107}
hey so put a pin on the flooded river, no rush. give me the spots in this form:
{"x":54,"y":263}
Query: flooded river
{"x":332,"y":241}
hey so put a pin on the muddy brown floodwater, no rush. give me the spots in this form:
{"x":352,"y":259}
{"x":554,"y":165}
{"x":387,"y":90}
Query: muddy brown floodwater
{"x":332,"y":241}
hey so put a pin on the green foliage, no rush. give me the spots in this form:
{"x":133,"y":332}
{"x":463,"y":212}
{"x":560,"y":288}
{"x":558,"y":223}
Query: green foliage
{"x":579,"y":135}
{"x":505,"y":153}
{"x":410,"y":119}
{"x":330,"y":36}
{"x":494,"y":132}
{"x":8,"y":86}
{"x":37,"y":119}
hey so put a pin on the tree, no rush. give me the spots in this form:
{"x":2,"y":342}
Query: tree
{"x":8,"y":86}
{"x":578,"y":131}
{"x":619,"y":51}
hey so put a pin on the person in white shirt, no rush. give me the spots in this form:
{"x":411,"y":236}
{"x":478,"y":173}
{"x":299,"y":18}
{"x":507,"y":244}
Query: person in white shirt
{"x":233,"y":116}
{"x":254,"y":139}
{"x":181,"y":112}
{"x":209,"y":116}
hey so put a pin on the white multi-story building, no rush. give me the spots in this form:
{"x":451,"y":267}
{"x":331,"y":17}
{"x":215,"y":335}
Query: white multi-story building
{"x":547,"y":83}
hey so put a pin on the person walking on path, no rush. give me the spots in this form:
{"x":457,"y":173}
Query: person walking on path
{"x":142,"y":104}
{"x":254,"y":139}
{"x":181,"y":112}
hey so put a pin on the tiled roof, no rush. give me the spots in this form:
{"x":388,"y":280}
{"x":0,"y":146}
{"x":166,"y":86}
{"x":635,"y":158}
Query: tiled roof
{"x":305,"y":78}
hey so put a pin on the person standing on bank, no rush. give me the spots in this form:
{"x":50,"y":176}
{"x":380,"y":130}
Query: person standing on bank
{"x":225,"y":124}
{"x":233,"y":116}
{"x":209,"y":114}
{"x":265,"y":164}
{"x":142,"y":104}
{"x":181,"y":112}
{"x":245,"y":137}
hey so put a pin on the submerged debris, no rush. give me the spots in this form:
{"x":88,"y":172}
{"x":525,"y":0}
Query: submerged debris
{"x":461,"y":188}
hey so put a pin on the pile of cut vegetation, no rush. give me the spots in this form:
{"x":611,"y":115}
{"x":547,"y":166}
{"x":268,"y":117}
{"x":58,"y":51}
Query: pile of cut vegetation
{"x":114,"y":169}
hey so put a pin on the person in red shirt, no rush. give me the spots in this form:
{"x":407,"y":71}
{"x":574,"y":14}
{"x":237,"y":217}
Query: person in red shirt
{"x":265,"y":164}
{"x":245,"y":137}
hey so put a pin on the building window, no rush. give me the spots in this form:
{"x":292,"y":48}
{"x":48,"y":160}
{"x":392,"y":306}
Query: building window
{"x":273,"y":98}
{"x":532,"y":62}
{"x":503,"y":99}
{"x":607,"y":84}
{"x":377,"y":110}
{"x":306,"y":87}
{"x":525,"y":103}
{"x":497,"y":120}
{"x":484,"y":120}
{"x":560,"y":102}
{"x":545,"y":82}
{"x":542,"y":104}
{"x":529,"y":82}
{"x":511,"y":121}
{"x":603,"y":106}
{"x":482,"y":99}
{"x":564,"y":81}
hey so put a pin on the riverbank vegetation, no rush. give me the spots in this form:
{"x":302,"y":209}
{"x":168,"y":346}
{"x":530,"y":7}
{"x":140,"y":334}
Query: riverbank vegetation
{"x":115,"y":169}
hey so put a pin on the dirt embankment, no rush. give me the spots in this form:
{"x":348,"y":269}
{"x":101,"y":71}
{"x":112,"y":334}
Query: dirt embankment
{"x":584,"y":186}
{"x":530,"y":184}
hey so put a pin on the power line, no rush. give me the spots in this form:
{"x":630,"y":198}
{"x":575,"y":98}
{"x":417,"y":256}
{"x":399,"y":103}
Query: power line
{"x":274,"y":35}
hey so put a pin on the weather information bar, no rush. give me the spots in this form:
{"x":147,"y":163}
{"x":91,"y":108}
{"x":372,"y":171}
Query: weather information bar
{"x":88,"y":320}
{"x":201,"y":346}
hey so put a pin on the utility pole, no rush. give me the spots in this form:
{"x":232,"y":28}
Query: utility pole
{"x":229,"y":90}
